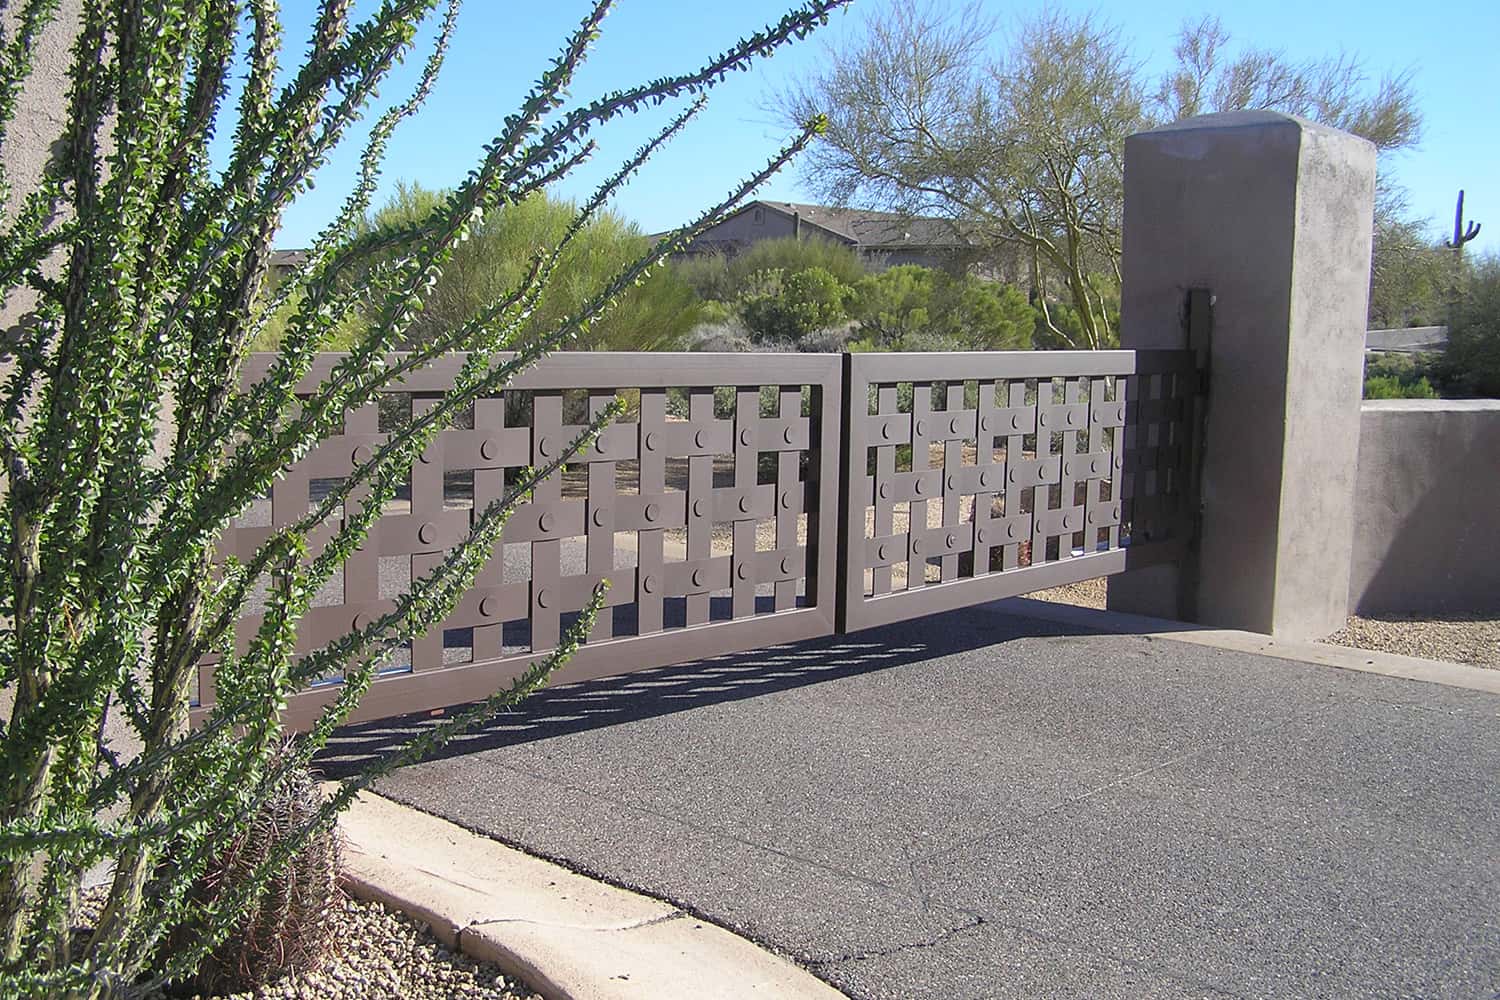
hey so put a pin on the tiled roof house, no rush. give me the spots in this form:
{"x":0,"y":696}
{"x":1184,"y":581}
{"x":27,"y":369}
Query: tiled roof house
{"x":883,"y":239}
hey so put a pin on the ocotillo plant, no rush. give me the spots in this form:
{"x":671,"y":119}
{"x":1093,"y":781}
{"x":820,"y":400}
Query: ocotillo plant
{"x":146,"y":253}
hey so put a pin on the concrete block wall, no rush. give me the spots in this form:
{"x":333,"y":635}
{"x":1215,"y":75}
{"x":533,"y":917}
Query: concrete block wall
{"x":1427,"y":508}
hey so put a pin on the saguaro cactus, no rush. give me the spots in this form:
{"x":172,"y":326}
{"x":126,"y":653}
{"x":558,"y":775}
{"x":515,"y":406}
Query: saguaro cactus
{"x":1461,"y":234}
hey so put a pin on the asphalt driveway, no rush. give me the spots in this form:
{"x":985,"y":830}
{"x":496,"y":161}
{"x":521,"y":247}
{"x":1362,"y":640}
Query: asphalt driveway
{"x":977,"y":806}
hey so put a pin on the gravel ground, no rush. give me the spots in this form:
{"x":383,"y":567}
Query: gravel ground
{"x":1088,"y":594}
{"x":386,"y":955}
{"x":1471,"y":639}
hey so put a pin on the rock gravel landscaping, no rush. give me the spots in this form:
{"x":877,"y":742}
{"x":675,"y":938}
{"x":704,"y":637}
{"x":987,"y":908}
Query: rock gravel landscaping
{"x":1471,"y":639}
{"x":385,"y":955}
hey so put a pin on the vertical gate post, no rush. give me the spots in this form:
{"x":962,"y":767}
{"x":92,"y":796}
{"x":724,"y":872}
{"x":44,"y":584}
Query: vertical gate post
{"x":1273,"y":214}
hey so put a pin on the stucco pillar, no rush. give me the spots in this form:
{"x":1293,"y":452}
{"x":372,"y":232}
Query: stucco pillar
{"x":1273,"y":215}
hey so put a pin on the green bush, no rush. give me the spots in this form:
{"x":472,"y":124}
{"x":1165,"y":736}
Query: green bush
{"x":1391,"y":387}
{"x":1389,"y":375}
{"x":722,"y":278}
{"x":912,"y":308}
{"x":1471,"y":366}
{"x":655,"y":315}
{"x":783,"y":306}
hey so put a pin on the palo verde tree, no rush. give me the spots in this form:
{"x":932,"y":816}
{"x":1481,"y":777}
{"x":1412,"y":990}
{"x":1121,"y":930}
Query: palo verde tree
{"x":1019,"y":136}
{"x":147,"y":256}
{"x":654,"y":315}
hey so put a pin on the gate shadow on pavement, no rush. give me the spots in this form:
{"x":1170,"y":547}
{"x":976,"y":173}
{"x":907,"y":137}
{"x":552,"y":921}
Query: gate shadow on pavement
{"x":659,"y":691}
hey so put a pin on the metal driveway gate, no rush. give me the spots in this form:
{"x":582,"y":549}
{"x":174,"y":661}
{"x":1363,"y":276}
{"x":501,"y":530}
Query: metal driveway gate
{"x":710,"y":506}
{"x":971,"y":477}
{"x":744,"y":500}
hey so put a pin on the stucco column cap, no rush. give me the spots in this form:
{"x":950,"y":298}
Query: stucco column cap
{"x":1224,"y":120}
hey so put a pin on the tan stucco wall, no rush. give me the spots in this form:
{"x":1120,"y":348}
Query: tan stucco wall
{"x":38,"y":122}
{"x":1427,"y":507}
{"x":743,"y":228}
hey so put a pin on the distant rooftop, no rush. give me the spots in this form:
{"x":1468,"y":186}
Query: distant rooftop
{"x":1408,"y":340}
{"x":869,"y":228}
{"x":286,"y":260}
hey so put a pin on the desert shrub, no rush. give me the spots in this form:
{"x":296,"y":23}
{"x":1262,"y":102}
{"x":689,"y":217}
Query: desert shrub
{"x":725,"y":277}
{"x":146,"y":244}
{"x":1471,"y":366}
{"x":1400,"y":376}
{"x":912,"y":308}
{"x":784,"y":306}
{"x":1390,"y":387}
{"x":654,"y":315}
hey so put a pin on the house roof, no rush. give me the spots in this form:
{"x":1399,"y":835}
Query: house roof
{"x":287,"y":259}
{"x":868,"y":228}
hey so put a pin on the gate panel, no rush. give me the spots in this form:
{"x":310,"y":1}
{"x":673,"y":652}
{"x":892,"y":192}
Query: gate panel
{"x":710,"y":507}
{"x":976,"y":476}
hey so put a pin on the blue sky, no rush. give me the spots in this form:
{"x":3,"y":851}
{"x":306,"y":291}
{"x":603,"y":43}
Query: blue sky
{"x":503,"y":45}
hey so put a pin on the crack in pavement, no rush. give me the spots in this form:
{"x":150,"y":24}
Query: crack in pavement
{"x":975,"y":920}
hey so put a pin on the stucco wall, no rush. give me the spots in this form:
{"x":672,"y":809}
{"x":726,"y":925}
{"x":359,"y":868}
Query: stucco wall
{"x":38,"y":122}
{"x":1427,"y":507}
{"x":743,"y":228}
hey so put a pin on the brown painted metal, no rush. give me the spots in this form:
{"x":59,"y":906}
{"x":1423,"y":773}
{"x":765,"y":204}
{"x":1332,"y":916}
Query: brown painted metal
{"x":1079,"y":469}
{"x":661,"y":610}
{"x":1050,"y":467}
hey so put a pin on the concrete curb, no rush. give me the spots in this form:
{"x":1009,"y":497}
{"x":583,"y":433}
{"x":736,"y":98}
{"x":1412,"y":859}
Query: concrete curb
{"x":566,"y":936}
{"x":1315,"y":653}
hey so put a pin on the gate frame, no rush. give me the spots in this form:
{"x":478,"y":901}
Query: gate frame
{"x":423,"y":690}
{"x":856,"y":611}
